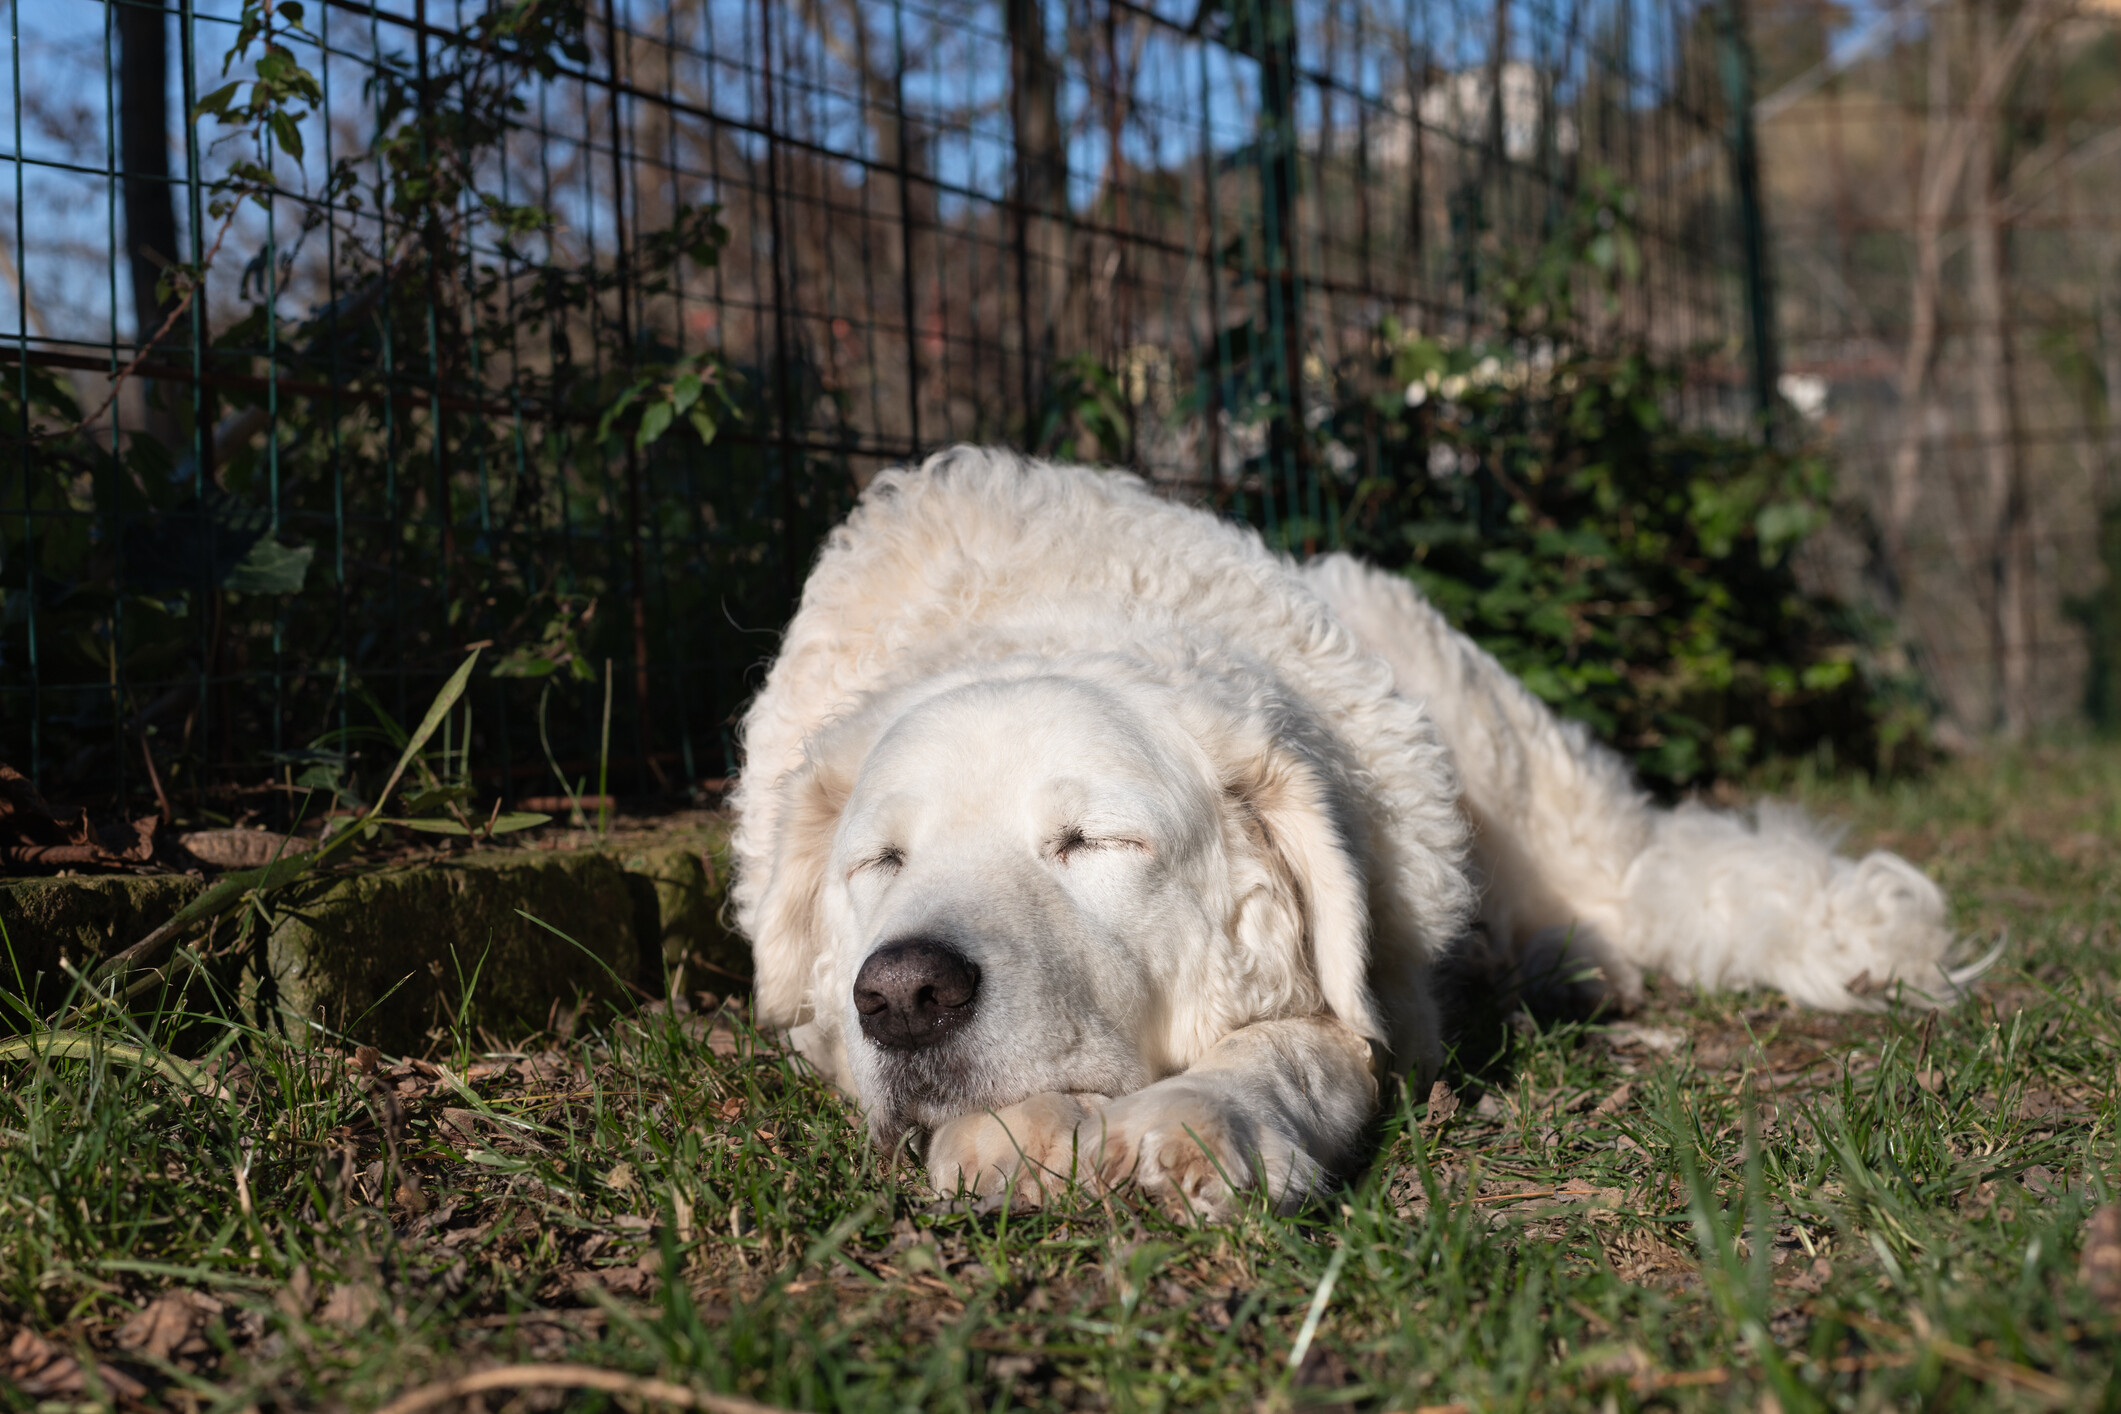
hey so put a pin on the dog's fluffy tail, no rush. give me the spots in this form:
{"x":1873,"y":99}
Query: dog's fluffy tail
{"x":1583,"y":879}
{"x":1725,"y":900}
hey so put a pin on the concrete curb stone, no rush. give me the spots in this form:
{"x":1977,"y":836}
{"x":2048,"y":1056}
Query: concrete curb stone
{"x":385,"y":955}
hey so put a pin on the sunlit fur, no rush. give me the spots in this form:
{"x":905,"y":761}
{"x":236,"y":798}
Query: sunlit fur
{"x":1205,"y":821}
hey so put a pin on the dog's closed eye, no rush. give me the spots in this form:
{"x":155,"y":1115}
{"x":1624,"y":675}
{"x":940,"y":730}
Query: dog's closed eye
{"x":1074,"y":841}
{"x":889,"y":860}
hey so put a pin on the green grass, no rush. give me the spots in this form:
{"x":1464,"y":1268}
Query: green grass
{"x":1728,"y":1202}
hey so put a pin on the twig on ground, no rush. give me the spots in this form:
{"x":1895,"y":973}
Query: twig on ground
{"x":572,"y":1377}
{"x":1994,"y":1371}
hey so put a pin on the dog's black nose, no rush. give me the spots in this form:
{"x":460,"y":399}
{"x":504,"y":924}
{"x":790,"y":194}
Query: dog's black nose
{"x":914,"y":993}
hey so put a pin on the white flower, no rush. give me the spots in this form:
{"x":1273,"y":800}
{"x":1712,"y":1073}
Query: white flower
{"x":1443,"y":461}
{"x":1453,"y":387}
{"x":1805,"y":392}
{"x":1417,"y":393}
{"x":1487,"y":368}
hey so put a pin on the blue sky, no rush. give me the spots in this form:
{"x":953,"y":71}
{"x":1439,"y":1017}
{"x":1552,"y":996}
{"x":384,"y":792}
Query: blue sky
{"x":958,"y":64}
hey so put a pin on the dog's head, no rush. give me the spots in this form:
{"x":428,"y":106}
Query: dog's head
{"x":1054,"y":876}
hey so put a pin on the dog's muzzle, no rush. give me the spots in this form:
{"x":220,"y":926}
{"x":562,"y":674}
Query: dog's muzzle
{"x":913,"y":993}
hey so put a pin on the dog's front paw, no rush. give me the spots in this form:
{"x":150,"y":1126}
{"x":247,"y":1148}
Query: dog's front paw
{"x":1023,"y":1153}
{"x":1192,"y":1151}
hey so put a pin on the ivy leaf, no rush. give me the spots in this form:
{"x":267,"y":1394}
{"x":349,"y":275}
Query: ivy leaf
{"x":654,"y":423}
{"x":271,"y":568}
{"x":287,"y":134}
{"x":320,"y":777}
{"x":526,"y":662}
{"x":217,"y":102}
{"x":1782,"y":523}
{"x":685,"y":391}
{"x":1825,"y":677}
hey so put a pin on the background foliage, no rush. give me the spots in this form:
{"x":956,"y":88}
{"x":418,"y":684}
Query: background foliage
{"x":477,"y":438}
{"x":493,"y":430}
{"x":1633,"y":567}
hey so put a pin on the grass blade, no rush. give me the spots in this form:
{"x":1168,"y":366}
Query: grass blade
{"x":231,"y":889}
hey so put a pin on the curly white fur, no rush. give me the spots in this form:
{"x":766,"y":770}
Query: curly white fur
{"x":1205,"y":821}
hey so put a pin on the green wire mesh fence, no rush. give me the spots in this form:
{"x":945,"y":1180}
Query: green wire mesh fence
{"x":338,"y":336}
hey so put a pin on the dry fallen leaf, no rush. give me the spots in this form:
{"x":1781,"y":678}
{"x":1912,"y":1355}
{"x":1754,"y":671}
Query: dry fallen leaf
{"x":1813,"y":1279}
{"x":640,"y":1279}
{"x":1617,"y":1361}
{"x":299,"y":1294}
{"x":39,"y":1367}
{"x":1650,"y":1038}
{"x":1442,"y":1105}
{"x":351,"y":1305}
{"x":545,"y":1068}
{"x":33,"y":840}
{"x":241,"y":849}
{"x":459,"y":1125}
{"x":411,"y":1196}
{"x":166,"y":1325}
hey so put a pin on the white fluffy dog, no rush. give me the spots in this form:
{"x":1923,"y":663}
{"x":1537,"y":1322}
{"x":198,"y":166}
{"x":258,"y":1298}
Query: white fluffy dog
{"x":1085,"y":838}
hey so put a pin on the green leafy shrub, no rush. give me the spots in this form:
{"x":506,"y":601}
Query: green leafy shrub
{"x":1632,"y":568}
{"x":486,"y":423}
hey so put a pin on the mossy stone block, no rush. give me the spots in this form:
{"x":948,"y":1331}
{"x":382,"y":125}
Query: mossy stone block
{"x":680,"y":880}
{"x":388,"y":955}
{"x":78,"y":921}
{"x":385,"y":955}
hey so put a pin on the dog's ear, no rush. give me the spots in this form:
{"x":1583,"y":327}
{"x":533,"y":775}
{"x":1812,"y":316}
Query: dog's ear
{"x":788,"y":927}
{"x":1312,"y":898}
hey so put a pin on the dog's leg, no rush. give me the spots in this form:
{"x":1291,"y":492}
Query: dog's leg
{"x":1024,"y":1153}
{"x":1278,"y":1105}
{"x":1587,"y":887}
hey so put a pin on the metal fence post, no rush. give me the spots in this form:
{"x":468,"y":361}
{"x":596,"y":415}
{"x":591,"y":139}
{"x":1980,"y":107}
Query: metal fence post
{"x":1267,"y":30}
{"x":1735,"y":67}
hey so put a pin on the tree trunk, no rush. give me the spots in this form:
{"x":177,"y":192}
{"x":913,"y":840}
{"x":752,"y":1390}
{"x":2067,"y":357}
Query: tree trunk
{"x":143,"y":150}
{"x":1041,"y":193}
{"x":1995,"y":426}
{"x":1933,"y":194}
{"x":1946,"y":145}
